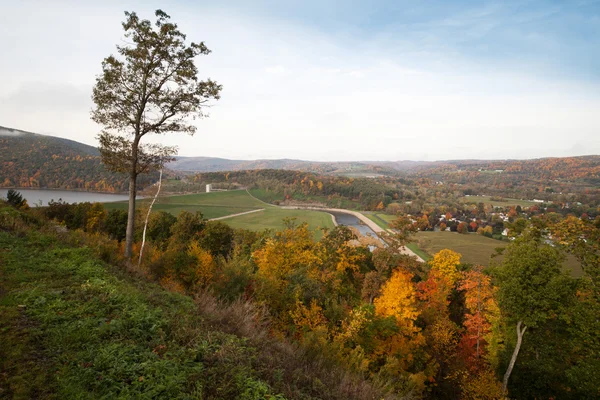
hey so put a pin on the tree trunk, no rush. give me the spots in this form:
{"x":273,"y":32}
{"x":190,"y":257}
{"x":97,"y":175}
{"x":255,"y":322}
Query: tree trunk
{"x":132,"y":194}
{"x":148,"y":217}
{"x":514,"y":356}
{"x":130,"y":217}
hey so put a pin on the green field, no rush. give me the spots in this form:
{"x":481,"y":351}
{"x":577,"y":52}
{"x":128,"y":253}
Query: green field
{"x":220,"y":204}
{"x":381,"y":219}
{"x":475,"y":249}
{"x":272,"y":218}
{"x":211,"y":205}
{"x":508,"y":202}
{"x":270,"y":196}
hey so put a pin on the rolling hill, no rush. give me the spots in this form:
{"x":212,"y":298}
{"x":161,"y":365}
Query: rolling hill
{"x":30,"y":160}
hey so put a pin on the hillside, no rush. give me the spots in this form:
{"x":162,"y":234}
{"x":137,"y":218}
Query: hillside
{"x":30,"y":160}
{"x":74,"y":326}
{"x":212,"y":164}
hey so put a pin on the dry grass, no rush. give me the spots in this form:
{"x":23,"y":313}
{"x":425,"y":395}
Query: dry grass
{"x":289,"y":368}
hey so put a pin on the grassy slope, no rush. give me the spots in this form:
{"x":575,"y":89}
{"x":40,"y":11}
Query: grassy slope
{"x":219,"y":204}
{"x":272,"y":218}
{"x":72,"y":329}
{"x":381,"y":219}
{"x":212,"y":205}
{"x":270,"y":196}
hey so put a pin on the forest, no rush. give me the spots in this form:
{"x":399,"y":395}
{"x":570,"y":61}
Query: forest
{"x":443,"y":329}
{"x":28,"y":160}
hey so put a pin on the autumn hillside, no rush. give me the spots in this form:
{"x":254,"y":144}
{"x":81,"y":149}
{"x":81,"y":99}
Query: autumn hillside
{"x":29,"y":160}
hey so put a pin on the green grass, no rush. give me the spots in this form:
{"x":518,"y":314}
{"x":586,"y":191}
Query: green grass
{"x":381,"y":219}
{"x":486,"y":200}
{"x":415,"y":248}
{"x":71,"y":328}
{"x":272,"y":218}
{"x":475,"y":249}
{"x":212,"y":205}
{"x":220,"y":204}
{"x":338,"y":202}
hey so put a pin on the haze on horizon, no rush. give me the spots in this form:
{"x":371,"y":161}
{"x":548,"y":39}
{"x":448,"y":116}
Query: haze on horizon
{"x":384,"y":80}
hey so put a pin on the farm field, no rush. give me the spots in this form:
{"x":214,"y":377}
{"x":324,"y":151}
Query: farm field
{"x":475,"y":249}
{"x":507,"y":202}
{"x":220,"y":204}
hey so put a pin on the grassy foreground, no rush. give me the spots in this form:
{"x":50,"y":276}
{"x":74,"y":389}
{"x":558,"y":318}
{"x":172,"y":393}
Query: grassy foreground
{"x":73,"y":327}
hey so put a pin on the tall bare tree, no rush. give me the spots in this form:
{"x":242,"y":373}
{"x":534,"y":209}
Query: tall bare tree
{"x":152,"y":86}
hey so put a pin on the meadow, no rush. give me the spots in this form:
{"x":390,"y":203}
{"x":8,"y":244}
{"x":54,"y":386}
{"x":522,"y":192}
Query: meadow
{"x":475,"y":249}
{"x":273,"y":218}
{"x":220,"y":204}
{"x":507,"y":201}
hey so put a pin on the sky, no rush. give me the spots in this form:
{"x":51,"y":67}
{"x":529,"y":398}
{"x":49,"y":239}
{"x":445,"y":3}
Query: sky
{"x":332,"y":81}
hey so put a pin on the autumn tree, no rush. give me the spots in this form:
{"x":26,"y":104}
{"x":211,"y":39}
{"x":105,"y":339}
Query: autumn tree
{"x":445,"y":262}
{"x":152,"y":87}
{"x":398,"y":299}
{"x":533,"y":289}
{"x":482,"y":309}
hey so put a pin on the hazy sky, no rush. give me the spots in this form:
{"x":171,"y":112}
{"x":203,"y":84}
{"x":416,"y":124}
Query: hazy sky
{"x":325,"y":80}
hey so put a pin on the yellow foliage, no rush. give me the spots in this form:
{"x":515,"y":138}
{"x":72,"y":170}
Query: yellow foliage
{"x":290,"y":249}
{"x":308,"y":318}
{"x":171,"y":284}
{"x":398,"y":299}
{"x":482,"y":385}
{"x":96,"y":214}
{"x":352,"y":326}
{"x":348,"y":259}
{"x":445,"y":263}
{"x":205,"y":265}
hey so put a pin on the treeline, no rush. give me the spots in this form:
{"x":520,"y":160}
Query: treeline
{"x":437,"y":330}
{"x":547,"y":179}
{"x":335,"y":191}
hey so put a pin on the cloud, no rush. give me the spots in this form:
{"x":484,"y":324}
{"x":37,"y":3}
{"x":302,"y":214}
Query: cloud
{"x":297,"y":90}
{"x":278,"y":70}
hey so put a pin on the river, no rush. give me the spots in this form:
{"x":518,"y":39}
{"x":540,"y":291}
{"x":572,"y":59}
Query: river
{"x":35,"y":196}
{"x":353,"y":221}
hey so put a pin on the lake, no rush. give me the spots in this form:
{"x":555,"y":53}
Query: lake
{"x":34,"y":196}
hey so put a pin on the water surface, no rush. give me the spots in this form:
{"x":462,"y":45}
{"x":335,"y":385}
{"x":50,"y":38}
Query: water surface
{"x":35,"y":196}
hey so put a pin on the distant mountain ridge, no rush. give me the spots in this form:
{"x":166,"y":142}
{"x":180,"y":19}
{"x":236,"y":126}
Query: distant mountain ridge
{"x":32,"y":160}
